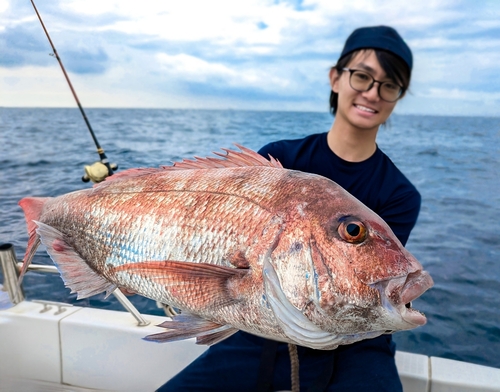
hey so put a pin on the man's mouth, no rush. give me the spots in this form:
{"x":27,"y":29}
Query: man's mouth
{"x":365,"y":109}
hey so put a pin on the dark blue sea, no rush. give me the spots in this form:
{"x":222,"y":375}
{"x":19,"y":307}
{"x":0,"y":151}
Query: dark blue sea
{"x":453,"y":161}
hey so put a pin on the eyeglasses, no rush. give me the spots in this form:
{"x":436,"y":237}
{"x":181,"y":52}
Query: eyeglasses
{"x":362,"y":81}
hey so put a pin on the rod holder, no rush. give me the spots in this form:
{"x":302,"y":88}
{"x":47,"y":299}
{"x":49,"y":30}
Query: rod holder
{"x":141,"y":321}
{"x":8,"y":264}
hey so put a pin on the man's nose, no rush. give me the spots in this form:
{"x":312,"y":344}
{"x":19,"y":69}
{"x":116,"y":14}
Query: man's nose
{"x":372,"y":93}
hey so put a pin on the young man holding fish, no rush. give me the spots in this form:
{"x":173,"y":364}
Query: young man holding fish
{"x":372,"y":74}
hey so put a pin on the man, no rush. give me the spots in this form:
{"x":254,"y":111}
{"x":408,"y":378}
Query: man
{"x":371,"y":75}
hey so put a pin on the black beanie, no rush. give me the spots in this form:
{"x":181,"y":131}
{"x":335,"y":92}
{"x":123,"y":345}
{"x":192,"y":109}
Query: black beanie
{"x":378,"y":37}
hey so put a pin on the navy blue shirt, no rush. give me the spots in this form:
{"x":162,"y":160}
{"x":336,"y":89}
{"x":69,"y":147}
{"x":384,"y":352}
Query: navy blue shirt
{"x":376,"y":182}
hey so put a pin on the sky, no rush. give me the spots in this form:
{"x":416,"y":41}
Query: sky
{"x":245,"y":54}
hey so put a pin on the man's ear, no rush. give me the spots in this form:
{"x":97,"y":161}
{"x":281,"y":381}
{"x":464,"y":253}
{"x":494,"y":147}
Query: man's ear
{"x":334,"y":80}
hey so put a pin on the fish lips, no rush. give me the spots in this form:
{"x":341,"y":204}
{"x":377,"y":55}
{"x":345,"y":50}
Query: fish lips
{"x":398,"y":293}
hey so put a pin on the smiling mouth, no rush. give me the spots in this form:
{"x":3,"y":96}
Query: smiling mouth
{"x":365,"y":109}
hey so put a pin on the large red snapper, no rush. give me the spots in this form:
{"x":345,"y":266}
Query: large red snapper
{"x":236,"y":243}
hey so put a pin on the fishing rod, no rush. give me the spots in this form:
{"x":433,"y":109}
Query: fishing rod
{"x":98,"y":171}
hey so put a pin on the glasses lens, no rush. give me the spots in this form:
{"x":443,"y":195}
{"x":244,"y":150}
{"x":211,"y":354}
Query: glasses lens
{"x":389,"y":91}
{"x":361,"y":81}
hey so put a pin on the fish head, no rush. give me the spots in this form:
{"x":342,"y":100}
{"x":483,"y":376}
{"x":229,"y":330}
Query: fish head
{"x":366,"y":278}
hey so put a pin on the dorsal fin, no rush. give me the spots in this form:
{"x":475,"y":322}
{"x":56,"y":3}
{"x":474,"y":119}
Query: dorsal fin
{"x":231,"y":158}
{"x":244,"y":158}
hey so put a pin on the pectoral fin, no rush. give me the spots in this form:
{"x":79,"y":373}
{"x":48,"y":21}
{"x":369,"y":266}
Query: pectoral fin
{"x":199,"y":285}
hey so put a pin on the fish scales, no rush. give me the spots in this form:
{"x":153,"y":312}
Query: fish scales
{"x":143,"y":226}
{"x":175,"y":224}
{"x":240,"y":243}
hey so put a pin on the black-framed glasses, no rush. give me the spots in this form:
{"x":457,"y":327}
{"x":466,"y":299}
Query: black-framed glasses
{"x":362,"y":81}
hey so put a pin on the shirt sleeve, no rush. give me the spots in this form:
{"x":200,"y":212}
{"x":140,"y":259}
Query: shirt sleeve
{"x":272,"y":149}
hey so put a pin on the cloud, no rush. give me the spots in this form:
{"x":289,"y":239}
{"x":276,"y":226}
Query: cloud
{"x":4,"y":5}
{"x":87,"y":62}
{"x":19,"y":46}
{"x":219,"y":21}
{"x":198,"y":70}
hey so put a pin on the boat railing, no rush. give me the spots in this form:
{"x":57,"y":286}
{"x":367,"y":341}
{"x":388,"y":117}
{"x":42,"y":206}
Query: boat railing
{"x":11,"y":269}
{"x":8,"y":264}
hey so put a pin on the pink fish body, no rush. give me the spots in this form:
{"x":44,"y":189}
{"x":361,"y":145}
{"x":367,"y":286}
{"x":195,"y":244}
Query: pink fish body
{"x":237,"y":243}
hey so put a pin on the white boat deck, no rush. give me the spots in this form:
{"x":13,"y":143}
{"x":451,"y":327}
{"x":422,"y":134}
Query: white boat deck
{"x":85,"y":349}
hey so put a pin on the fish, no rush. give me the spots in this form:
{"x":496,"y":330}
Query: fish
{"x":236,"y":242}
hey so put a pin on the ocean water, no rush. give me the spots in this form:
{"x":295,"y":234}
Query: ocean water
{"x":453,"y":161}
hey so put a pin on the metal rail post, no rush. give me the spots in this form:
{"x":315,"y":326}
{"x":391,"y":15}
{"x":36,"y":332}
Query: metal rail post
{"x":8,"y":264}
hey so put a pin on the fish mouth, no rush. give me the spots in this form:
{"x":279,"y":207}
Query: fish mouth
{"x":398,"y":293}
{"x":416,"y":284}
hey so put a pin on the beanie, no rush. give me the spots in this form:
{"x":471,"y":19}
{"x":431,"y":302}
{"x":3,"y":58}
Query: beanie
{"x":378,"y":37}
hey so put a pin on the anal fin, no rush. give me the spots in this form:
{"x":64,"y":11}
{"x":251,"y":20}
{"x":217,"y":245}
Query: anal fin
{"x":215,"y":337}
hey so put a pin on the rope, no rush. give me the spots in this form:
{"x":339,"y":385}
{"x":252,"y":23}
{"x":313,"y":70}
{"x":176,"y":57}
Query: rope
{"x":294,"y":361}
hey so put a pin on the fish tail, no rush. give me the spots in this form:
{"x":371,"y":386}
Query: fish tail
{"x":32,"y":207}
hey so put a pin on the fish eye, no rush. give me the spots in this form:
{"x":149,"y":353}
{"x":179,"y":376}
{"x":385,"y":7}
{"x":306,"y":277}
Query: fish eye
{"x":353,"y":232}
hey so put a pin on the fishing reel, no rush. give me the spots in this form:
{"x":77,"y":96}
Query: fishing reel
{"x":98,"y":172}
